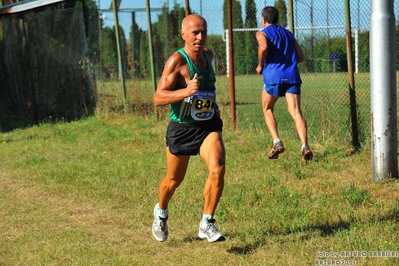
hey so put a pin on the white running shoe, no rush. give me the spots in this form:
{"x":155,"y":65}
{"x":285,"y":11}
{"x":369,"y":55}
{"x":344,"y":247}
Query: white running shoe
{"x":160,"y":225}
{"x":208,"y":230}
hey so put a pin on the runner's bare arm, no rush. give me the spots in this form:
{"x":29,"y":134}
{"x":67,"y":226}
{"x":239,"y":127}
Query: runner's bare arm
{"x":262,"y":50}
{"x":175,"y":75}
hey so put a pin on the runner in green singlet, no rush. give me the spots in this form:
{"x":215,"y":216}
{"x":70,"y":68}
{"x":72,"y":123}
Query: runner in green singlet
{"x":187,"y":85}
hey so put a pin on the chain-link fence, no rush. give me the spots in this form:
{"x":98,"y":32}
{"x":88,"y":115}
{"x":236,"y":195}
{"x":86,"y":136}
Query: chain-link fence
{"x":321,"y":30}
{"x":126,"y":77}
{"x":45,"y":71}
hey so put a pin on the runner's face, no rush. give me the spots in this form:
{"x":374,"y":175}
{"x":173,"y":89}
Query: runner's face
{"x":195,"y":33}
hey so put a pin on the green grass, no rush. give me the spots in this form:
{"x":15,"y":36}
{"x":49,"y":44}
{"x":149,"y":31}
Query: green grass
{"x":325,"y":104}
{"x":82,"y":193}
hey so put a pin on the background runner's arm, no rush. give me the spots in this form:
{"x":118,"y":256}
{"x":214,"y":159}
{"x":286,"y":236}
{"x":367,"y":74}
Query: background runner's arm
{"x":262,"y":50}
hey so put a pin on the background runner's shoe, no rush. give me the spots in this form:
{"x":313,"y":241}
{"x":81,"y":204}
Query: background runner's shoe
{"x":208,"y":230}
{"x":276,"y":150}
{"x":307,"y":154}
{"x":160,"y":226}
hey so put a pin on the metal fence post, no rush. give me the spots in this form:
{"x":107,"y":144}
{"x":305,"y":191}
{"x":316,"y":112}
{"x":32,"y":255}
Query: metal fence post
{"x":352,"y":91}
{"x":384,"y":139}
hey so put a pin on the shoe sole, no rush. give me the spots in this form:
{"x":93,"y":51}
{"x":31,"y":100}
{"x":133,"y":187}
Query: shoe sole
{"x":276,"y":153}
{"x":157,"y":238}
{"x":210,"y":240}
{"x":307,"y":156}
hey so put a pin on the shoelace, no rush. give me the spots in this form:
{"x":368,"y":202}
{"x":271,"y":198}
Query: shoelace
{"x":161,"y":223}
{"x":211,"y":227}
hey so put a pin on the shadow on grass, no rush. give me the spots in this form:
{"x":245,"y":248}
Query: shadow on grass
{"x":192,"y":239}
{"x":246,"y":249}
{"x":8,"y":124}
{"x":106,"y":96}
{"x":237,"y":103}
{"x":323,"y":230}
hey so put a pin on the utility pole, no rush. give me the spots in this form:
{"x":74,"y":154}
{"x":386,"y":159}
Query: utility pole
{"x":383,"y":92}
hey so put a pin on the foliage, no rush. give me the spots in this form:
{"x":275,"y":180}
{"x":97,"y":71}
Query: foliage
{"x":133,"y":54}
{"x":238,"y":39}
{"x":238,"y":36}
{"x":364,"y":49}
{"x":282,"y":9}
{"x":109,"y":57}
{"x":47,"y":58}
{"x":324,"y":47}
{"x":108,"y":44}
{"x":251,"y":55}
{"x":124,"y":53}
{"x":166,"y":36}
{"x":145,"y":64}
{"x":92,"y":24}
{"x":218,"y":46}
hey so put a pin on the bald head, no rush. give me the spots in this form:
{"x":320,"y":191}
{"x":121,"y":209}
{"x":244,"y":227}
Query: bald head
{"x":194,"y":33}
{"x":193,"y":20}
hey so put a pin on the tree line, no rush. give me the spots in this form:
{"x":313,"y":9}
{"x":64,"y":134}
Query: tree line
{"x":166,"y":39}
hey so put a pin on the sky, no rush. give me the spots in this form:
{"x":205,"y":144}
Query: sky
{"x":332,"y":18}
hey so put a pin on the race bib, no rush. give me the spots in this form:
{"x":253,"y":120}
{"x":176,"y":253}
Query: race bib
{"x":201,"y":106}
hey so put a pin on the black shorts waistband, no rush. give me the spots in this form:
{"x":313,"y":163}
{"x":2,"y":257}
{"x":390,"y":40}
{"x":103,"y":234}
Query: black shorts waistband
{"x":202,"y":124}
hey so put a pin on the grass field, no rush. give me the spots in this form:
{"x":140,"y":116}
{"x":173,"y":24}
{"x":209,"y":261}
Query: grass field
{"x":325,"y":104}
{"x":82,"y":193}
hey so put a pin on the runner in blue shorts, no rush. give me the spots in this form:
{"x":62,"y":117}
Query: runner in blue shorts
{"x":280,"y":90}
{"x":278,"y":58}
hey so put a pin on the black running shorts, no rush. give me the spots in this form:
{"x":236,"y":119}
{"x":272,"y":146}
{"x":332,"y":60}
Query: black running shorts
{"x":186,"y":139}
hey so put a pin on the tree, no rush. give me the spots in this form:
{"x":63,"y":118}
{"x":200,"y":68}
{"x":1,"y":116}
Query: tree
{"x":144,"y":62}
{"x":134,"y":36}
{"x":124,"y":53}
{"x":166,"y":34}
{"x":218,"y":46}
{"x":166,"y":40}
{"x":238,"y":36}
{"x":364,"y":50}
{"x":108,"y":43}
{"x":282,"y":9}
{"x":109,"y":48}
{"x":251,"y":57}
{"x":93,"y":26}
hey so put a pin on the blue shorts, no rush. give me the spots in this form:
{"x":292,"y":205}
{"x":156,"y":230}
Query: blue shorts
{"x":279,"y":90}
